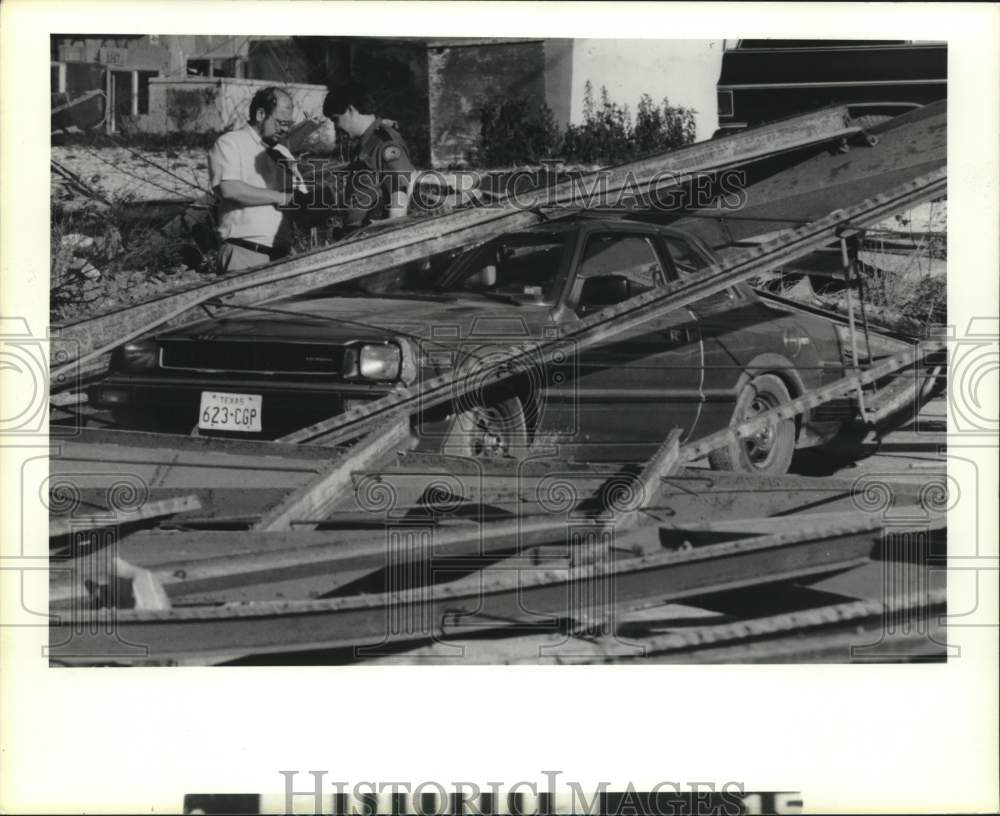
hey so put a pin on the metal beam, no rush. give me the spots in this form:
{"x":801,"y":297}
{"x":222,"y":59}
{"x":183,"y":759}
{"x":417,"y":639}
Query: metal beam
{"x":114,"y":518}
{"x":766,"y":631}
{"x":537,"y":596}
{"x":780,"y":524}
{"x":313,"y":501}
{"x":668,"y":169}
{"x":343,"y":556}
{"x":839,"y":388}
{"x":92,"y":338}
{"x":415,"y":240}
{"x":666,"y":461}
{"x":609,"y":323}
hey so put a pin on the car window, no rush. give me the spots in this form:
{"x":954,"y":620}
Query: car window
{"x":518,"y":264}
{"x":687,"y":260}
{"x":632,"y":256}
{"x":685,"y":257}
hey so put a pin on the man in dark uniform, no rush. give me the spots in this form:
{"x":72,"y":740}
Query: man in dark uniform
{"x":380,"y":168}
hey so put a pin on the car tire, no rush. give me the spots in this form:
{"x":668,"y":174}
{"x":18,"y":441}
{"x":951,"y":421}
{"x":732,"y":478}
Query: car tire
{"x":496,"y":431}
{"x":770,"y":451}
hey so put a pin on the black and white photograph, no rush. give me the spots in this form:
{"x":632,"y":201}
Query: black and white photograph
{"x":493,"y":351}
{"x":384,"y":345}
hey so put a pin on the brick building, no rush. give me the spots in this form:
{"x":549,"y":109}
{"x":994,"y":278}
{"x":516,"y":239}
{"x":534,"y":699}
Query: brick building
{"x":434,"y":88}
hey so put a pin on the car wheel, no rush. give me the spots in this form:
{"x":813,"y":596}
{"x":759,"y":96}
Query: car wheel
{"x":770,"y":450}
{"x":489,"y":432}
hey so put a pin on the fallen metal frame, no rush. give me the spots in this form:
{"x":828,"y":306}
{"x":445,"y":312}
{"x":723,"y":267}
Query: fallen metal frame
{"x":117,"y":518}
{"x":89,"y":340}
{"x":323,"y":554}
{"x":765,"y":632}
{"x":519,"y":593}
{"x":315,"y":500}
{"x":540,"y":583}
{"x":609,"y":323}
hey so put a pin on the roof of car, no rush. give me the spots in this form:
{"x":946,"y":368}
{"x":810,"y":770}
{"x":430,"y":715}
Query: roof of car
{"x":608,"y":217}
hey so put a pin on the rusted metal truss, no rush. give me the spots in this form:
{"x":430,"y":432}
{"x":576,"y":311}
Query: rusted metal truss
{"x":87,"y":341}
{"x":607,"y":324}
{"x":541,"y":594}
{"x":428,"y":579}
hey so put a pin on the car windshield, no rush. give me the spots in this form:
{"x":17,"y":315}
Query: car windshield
{"x":519,"y":266}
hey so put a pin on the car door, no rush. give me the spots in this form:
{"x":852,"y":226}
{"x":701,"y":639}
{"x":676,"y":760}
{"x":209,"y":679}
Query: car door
{"x":733,"y":331}
{"x":631,"y":391}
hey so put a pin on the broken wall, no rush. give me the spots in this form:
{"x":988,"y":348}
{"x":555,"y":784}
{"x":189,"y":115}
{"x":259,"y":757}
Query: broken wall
{"x":462,"y":78}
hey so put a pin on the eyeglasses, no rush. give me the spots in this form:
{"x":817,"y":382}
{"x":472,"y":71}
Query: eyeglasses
{"x":284,"y":123}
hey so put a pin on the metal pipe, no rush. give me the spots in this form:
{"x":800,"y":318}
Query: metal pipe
{"x":845,"y":261}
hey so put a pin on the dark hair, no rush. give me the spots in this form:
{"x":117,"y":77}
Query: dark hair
{"x":341,"y":97}
{"x":266,"y":99}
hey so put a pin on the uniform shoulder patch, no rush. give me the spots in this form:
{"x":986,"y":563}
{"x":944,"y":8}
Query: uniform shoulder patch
{"x":391,"y":153}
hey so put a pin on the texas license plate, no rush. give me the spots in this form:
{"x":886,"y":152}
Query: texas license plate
{"x":230,"y":412}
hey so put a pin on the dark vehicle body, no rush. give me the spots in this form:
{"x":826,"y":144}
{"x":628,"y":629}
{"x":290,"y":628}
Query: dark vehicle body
{"x":765,"y":80}
{"x":305,"y":357}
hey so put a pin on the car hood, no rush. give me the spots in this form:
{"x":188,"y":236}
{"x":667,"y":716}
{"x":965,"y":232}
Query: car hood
{"x":340,"y":319}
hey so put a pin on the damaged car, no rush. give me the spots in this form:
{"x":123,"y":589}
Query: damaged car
{"x":264,"y":371}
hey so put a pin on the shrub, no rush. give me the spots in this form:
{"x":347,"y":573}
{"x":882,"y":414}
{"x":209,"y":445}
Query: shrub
{"x":512,"y":132}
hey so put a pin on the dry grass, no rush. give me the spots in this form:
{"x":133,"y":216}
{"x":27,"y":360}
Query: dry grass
{"x":103,"y":257}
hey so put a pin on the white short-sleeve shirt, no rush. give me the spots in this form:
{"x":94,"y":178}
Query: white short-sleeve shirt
{"x":241,"y":155}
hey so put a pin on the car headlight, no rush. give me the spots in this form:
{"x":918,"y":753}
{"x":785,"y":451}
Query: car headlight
{"x":136,"y":356}
{"x":382,"y":362}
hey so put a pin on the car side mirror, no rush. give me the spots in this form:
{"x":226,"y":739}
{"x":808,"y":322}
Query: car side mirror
{"x":605,"y":290}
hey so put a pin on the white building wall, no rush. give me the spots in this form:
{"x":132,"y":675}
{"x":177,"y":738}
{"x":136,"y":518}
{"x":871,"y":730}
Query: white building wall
{"x":686,"y":71}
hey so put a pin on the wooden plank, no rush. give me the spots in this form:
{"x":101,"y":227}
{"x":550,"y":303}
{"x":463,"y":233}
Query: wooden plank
{"x":609,"y":323}
{"x":418,"y":239}
{"x":313,"y":501}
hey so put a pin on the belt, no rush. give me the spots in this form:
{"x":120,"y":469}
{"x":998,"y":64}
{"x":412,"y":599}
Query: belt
{"x":253,"y":246}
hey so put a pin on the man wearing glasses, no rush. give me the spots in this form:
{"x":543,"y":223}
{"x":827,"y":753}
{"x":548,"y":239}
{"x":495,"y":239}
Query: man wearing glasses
{"x":249,"y":185}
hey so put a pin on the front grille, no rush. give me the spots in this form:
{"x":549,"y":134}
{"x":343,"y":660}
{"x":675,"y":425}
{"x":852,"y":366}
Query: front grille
{"x":256,"y":356}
